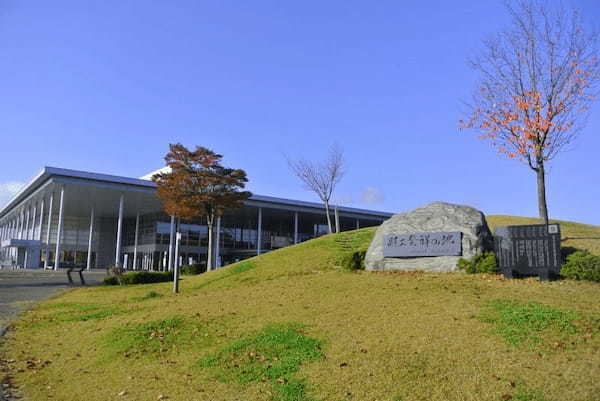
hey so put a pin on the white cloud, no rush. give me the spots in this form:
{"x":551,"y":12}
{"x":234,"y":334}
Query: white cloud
{"x":371,"y":195}
{"x":8,"y":190}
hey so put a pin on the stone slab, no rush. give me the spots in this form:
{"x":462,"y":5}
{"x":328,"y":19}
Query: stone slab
{"x":432,"y":218}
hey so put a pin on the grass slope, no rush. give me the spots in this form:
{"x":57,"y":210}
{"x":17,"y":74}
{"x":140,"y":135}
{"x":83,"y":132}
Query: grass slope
{"x":290,"y":326}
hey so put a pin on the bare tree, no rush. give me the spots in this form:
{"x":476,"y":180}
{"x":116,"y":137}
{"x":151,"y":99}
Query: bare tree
{"x":321,"y":177}
{"x":537,"y":81}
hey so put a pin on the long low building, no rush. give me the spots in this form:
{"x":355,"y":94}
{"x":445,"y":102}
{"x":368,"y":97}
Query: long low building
{"x":66,"y":218}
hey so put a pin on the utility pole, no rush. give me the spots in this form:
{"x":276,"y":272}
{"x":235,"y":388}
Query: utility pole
{"x":176,"y":265}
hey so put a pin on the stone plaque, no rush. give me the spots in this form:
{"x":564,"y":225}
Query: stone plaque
{"x":422,"y":244}
{"x":531,"y":250}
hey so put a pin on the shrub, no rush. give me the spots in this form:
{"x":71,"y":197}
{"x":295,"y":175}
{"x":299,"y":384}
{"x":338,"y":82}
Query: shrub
{"x":480,"y":263}
{"x":140,"y":277}
{"x":115,"y":271}
{"x":582,"y":265}
{"x":196,"y":268}
{"x":111,"y":280}
{"x":353,"y":260}
{"x":565,"y":251}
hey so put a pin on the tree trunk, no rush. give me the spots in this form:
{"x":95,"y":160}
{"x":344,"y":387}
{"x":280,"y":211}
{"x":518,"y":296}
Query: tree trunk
{"x":209,"y":259}
{"x":328,"y":217}
{"x":541,"y":189}
{"x":337,"y":220}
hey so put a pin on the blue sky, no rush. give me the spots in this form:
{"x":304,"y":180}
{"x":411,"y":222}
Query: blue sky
{"x":105,"y":86}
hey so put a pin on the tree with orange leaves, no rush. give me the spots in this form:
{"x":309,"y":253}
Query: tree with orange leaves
{"x":198,"y":185}
{"x":537,"y":81}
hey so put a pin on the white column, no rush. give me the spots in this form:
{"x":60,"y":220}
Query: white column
{"x":296,"y":228}
{"x":90,"y":239}
{"x":218,"y":244}
{"x":21,"y":221}
{"x":60,"y":227}
{"x":259,"y":232}
{"x":39,"y":234}
{"x":357,"y":224}
{"x":135,"y":244}
{"x":34,"y":220}
{"x":119,"y":231}
{"x":27,"y":222}
{"x":171,"y":238}
{"x":48,"y":231}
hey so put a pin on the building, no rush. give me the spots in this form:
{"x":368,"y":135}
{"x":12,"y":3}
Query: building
{"x":98,"y":220}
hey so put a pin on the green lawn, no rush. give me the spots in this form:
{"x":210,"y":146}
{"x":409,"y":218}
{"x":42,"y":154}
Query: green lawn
{"x":291,"y":326}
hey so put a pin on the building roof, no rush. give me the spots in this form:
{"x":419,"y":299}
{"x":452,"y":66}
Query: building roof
{"x":146,"y":185}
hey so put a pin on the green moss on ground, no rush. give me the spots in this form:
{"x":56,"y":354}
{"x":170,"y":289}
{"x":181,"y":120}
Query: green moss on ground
{"x":273,"y":355}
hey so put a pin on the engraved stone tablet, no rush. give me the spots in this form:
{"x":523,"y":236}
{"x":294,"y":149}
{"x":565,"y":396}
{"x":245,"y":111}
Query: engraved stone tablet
{"x":531,"y":250}
{"x":430,"y":238}
{"x":422,"y":244}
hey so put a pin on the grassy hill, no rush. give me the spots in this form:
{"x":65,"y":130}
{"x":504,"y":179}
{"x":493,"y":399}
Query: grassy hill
{"x":289,"y":325}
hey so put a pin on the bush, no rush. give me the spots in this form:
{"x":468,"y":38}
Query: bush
{"x":582,"y":265}
{"x":140,"y":277}
{"x":196,"y":268}
{"x":111,"y":280}
{"x":565,"y":251}
{"x":353,"y":260}
{"x":480,"y":263}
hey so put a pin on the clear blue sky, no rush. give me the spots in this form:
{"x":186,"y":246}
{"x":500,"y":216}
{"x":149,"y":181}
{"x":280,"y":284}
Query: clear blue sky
{"x":107,"y":85}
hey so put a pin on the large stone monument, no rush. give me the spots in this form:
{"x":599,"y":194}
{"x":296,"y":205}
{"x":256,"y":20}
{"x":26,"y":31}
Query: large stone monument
{"x":432,"y":238}
{"x":529,"y":250}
